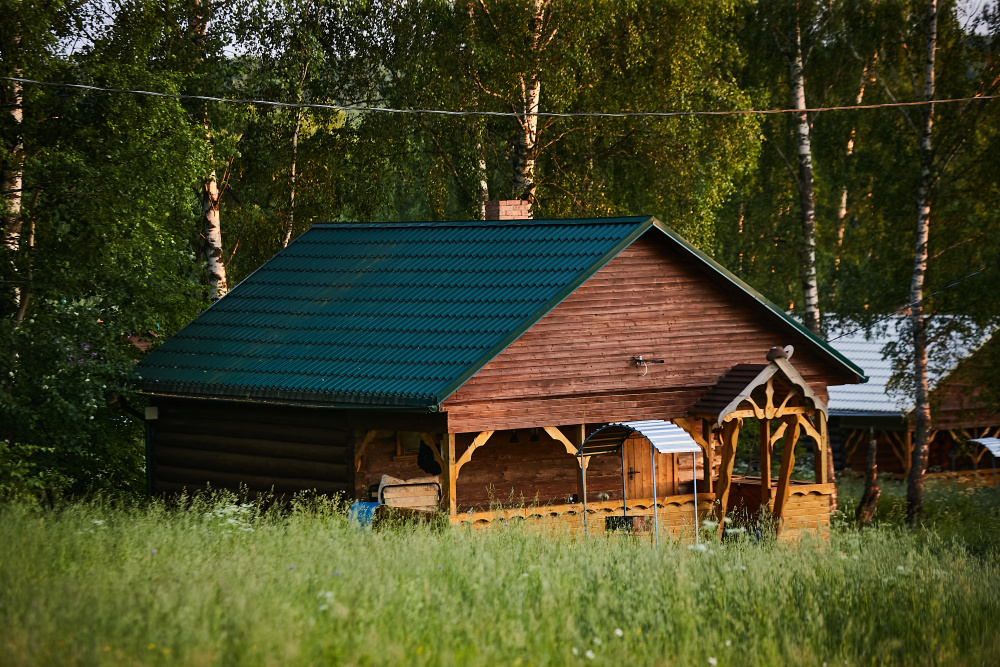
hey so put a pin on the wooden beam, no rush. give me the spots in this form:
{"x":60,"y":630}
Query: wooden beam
{"x":765,"y":461}
{"x":787,"y":463}
{"x":450,"y":472}
{"x":360,"y":451}
{"x":822,"y":473}
{"x":730,"y":433}
{"x":478,"y":442}
{"x":709,"y":437}
{"x":700,"y":431}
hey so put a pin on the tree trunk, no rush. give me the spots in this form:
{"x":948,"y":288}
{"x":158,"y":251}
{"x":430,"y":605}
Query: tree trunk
{"x":478,"y":125}
{"x":286,"y":234}
{"x":918,"y":324}
{"x":212,"y":233}
{"x":842,"y":207}
{"x":526,"y":144}
{"x":210,"y":195}
{"x":13,"y":188}
{"x":810,"y":289}
{"x":869,"y":500}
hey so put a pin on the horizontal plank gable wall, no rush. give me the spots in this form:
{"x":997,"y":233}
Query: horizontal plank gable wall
{"x":574,"y":365}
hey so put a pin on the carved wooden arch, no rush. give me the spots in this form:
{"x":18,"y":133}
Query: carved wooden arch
{"x":794,"y":420}
{"x":769,"y":410}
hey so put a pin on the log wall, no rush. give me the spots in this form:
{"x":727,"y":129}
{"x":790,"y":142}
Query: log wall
{"x":197,"y":444}
{"x":575,"y":364}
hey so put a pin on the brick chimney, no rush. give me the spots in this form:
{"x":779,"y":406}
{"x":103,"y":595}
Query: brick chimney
{"x":510,"y":209}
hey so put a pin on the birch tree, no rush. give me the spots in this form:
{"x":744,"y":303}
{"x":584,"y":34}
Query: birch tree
{"x":922,"y":407}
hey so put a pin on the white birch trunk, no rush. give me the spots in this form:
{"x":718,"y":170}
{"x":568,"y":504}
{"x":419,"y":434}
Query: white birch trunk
{"x":13,"y":187}
{"x":918,"y":323}
{"x":210,"y":194}
{"x":212,"y":234}
{"x":526,"y":144}
{"x":482,"y":185}
{"x":842,"y":207}
{"x":810,"y":289}
{"x":286,"y":234}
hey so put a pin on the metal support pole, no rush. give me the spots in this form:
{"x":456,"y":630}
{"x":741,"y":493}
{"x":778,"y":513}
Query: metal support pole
{"x":583,"y":475}
{"x":694,"y":482}
{"x":656,"y":522}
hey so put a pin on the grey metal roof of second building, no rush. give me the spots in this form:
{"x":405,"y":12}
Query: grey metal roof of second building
{"x":874,"y":398}
{"x":394,"y":313}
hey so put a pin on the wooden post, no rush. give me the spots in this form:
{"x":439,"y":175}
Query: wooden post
{"x":709,"y":436}
{"x":787,"y":463}
{"x":451,"y":471}
{"x":765,"y":463}
{"x":822,"y":472}
{"x":730,"y":433}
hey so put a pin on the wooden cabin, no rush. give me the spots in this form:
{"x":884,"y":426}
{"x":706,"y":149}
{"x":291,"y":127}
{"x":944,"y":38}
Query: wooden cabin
{"x":461,"y":366}
{"x":958,"y":412}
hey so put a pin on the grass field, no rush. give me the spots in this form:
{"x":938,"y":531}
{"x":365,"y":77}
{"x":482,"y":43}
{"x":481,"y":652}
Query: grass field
{"x":222,"y":583}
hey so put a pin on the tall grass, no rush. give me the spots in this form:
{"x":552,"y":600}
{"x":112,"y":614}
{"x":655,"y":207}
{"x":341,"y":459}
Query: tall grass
{"x":216,"y":582}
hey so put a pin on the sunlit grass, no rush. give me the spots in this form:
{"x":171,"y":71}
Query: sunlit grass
{"x":222,"y":583}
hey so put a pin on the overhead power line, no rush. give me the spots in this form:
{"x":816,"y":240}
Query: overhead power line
{"x":502,"y":114}
{"x":903,"y":309}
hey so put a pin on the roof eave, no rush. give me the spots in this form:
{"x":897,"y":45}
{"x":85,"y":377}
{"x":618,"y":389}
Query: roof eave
{"x":331,"y":399}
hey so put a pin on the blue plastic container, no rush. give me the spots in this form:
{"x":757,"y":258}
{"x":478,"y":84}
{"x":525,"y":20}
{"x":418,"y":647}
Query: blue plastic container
{"x":362,"y":512}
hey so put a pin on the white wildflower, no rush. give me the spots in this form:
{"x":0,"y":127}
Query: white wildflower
{"x":619,"y":632}
{"x":590,"y":654}
{"x":576,"y":651}
{"x":597,"y":640}
{"x":713,"y":661}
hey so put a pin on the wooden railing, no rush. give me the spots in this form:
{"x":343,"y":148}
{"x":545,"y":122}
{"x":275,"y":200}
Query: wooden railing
{"x":675,"y":515}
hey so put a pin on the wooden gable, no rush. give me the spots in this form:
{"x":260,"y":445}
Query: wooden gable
{"x":576,"y":364}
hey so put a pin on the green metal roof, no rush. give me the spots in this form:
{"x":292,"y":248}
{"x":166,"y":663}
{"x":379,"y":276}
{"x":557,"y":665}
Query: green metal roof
{"x":391,"y":313}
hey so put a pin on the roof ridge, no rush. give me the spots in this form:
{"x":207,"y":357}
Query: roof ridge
{"x":482,"y":223}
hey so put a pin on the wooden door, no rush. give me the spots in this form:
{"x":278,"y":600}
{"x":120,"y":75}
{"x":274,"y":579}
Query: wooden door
{"x":639,"y":470}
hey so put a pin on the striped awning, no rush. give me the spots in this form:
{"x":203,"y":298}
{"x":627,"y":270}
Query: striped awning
{"x":992,"y":444}
{"x":666,"y":437}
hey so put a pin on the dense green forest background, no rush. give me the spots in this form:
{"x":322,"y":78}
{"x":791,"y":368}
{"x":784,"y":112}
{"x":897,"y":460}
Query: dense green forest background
{"x":126,"y":214}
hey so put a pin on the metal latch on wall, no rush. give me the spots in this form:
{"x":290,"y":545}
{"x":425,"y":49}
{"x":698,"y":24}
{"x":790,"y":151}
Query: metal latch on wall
{"x":638,"y":360}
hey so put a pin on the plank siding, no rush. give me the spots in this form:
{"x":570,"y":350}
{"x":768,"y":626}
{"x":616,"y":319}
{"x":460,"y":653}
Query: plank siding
{"x":574,"y":365}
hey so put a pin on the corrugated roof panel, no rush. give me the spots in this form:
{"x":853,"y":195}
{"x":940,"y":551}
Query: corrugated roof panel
{"x":874,"y":397}
{"x":362,"y":312}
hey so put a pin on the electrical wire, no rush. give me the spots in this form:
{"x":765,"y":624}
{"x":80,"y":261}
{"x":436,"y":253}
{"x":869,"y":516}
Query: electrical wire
{"x":500,"y":114}
{"x":910,"y":305}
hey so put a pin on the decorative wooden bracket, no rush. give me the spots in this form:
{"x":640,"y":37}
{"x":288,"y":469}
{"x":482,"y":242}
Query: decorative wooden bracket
{"x":478,"y":442}
{"x":557,"y":435}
